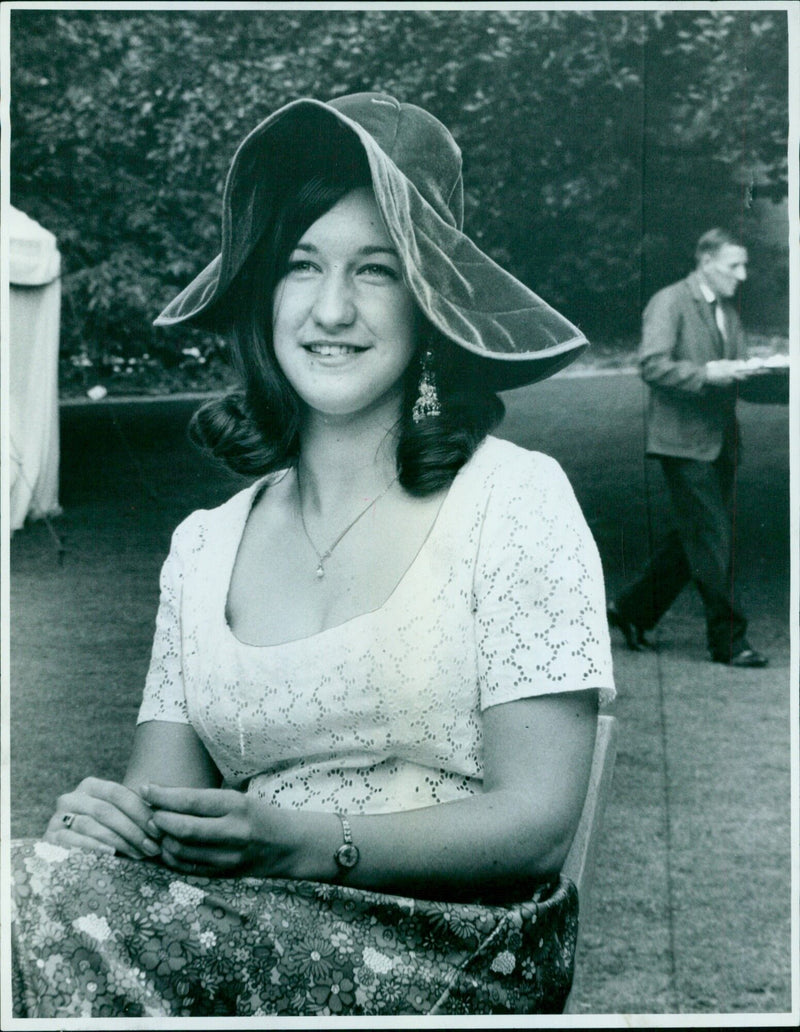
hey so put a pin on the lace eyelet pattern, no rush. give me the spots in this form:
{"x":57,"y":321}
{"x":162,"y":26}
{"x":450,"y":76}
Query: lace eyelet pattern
{"x":504,"y":601}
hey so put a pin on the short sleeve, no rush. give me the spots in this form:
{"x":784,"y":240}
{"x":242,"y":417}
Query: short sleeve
{"x":539,"y":594}
{"x":164,"y":697}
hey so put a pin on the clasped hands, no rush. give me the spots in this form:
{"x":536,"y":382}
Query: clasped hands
{"x":207,"y":831}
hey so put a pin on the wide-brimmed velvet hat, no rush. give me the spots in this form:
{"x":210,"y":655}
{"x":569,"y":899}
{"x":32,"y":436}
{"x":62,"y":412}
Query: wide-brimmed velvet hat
{"x":510,"y":336}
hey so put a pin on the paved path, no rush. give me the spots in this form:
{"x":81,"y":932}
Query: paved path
{"x":691,"y":903}
{"x":690,"y":911}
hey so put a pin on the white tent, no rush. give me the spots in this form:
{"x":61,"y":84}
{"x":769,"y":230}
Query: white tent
{"x":34,"y":312}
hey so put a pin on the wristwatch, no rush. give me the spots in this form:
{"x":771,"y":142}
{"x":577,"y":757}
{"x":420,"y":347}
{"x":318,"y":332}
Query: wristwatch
{"x":347,"y":855}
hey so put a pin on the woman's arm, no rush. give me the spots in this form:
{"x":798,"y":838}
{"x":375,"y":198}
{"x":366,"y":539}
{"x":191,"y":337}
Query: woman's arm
{"x":109,"y":816}
{"x":169,"y":753}
{"x":539,"y":622}
{"x":112,"y":817}
{"x":538,"y":754}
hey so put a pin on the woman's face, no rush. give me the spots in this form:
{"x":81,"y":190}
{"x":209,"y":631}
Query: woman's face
{"x":343,"y":319}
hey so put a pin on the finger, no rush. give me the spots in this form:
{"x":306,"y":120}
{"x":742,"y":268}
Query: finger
{"x":127,"y":831}
{"x":70,"y":839}
{"x":103,"y":841}
{"x":85,"y":827}
{"x":105,"y":797}
{"x":202,"y":830}
{"x":202,"y":802}
{"x":198,"y":870}
{"x":195,"y":859}
{"x":134,"y":807}
{"x":106,"y":824}
{"x":175,"y":864}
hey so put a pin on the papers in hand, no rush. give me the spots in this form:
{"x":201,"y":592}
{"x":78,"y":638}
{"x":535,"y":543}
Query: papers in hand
{"x":765,"y":365}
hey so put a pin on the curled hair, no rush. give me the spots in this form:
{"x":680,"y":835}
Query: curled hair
{"x":254,"y":428}
{"x":431,"y":452}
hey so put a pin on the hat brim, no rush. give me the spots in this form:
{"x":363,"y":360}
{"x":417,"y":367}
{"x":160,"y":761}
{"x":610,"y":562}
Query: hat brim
{"x":512,"y":336}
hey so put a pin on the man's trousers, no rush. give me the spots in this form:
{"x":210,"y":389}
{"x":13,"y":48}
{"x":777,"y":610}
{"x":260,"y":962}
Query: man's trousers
{"x":700,"y":548}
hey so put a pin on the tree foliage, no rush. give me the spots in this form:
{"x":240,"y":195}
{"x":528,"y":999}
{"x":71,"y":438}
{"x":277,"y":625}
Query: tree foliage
{"x":597,"y":144}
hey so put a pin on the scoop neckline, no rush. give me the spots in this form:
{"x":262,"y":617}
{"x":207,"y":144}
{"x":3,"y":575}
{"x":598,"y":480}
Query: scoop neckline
{"x":255,"y":492}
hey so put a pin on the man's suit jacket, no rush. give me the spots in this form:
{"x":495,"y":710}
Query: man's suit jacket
{"x":686,"y":417}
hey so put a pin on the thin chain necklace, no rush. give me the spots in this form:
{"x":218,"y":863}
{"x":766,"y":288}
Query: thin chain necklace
{"x":323,"y":557}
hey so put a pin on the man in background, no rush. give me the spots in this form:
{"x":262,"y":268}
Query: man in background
{"x":691,"y":358}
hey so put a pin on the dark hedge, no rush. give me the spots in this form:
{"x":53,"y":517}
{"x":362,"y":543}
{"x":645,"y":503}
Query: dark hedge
{"x":597,"y":144}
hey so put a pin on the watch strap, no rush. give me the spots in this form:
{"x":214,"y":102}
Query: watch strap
{"x":347,"y":855}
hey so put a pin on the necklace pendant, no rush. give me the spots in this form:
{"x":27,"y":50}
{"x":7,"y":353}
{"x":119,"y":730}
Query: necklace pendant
{"x":323,"y":556}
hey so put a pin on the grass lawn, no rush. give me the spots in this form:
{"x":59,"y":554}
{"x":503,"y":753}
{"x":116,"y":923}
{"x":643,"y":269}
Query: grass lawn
{"x":690,"y":911}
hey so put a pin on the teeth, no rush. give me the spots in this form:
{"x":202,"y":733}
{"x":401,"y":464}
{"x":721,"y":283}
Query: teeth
{"x":333,"y":349}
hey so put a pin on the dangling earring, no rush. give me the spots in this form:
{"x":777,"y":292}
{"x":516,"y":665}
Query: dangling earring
{"x":427,"y":404}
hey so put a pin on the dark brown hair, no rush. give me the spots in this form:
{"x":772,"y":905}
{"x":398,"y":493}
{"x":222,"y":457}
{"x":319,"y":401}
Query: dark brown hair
{"x":254,"y":429}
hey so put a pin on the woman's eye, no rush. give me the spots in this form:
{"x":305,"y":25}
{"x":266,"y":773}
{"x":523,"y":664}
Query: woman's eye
{"x":299,"y":265}
{"x":381,"y":271}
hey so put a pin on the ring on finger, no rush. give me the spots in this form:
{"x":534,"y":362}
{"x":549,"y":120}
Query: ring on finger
{"x":67,"y":819}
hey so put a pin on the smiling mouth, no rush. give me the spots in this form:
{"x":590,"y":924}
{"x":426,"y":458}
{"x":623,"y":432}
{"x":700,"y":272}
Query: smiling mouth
{"x":333,"y":350}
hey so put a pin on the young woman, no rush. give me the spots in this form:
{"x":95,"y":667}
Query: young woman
{"x":368,"y":723}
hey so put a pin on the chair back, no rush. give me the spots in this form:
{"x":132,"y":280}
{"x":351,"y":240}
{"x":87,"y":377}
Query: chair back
{"x":580,"y":863}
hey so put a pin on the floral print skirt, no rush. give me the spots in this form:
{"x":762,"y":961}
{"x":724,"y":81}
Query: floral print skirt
{"x":99,"y":936}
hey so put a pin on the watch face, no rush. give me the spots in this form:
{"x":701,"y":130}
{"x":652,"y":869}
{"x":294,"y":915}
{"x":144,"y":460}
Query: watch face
{"x":347,"y":855}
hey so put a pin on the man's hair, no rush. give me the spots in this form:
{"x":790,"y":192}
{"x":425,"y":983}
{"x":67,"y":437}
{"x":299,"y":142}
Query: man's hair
{"x":714,"y":239}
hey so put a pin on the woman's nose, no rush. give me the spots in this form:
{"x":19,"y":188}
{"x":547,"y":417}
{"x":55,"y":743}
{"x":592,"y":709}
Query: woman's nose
{"x":333,"y":302}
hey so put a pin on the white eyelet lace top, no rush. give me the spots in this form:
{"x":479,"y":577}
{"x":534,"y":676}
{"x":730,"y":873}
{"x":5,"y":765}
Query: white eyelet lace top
{"x":505,"y":600}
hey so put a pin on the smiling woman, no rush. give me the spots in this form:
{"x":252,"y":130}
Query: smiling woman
{"x":367,"y":727}
{"x":344,"y":326}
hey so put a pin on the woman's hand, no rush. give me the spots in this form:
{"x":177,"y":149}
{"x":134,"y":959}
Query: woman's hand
{"x":216,"y":832}
{"x":107,"y":817}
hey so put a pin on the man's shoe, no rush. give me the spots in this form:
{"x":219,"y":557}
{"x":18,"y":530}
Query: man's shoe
{"x":631,"y":632}
{"x":744,"y":658}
